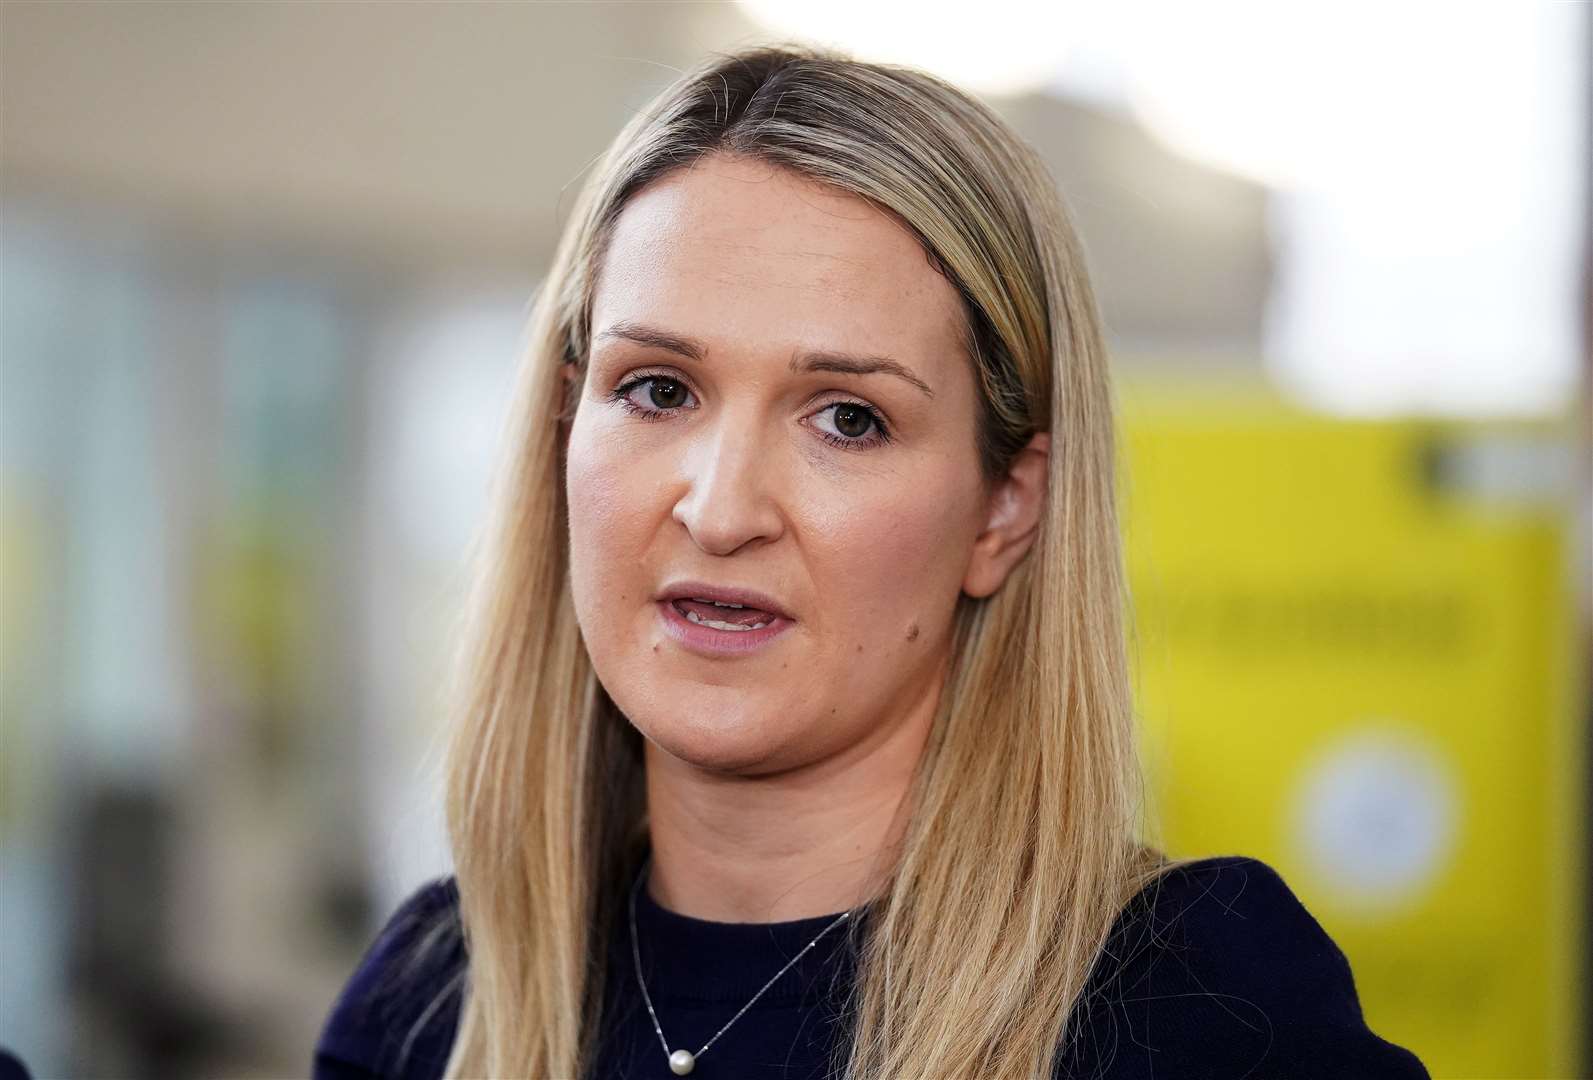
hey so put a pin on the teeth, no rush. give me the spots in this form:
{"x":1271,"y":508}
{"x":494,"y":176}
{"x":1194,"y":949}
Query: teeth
{"x":718,"y":603}
{"x":692,"y":616}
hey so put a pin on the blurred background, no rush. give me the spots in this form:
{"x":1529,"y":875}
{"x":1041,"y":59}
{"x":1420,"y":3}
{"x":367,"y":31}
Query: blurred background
{"x":264,"y":270}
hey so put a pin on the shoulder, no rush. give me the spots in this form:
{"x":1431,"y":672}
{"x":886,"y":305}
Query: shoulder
{"x":1217,"y":968}
{"x":397,"y":1014}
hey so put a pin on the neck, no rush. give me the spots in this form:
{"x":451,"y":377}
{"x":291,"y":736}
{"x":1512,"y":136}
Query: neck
{"x":807,"y":841}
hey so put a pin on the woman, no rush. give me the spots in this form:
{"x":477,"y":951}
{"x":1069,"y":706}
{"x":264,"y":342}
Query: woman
{"x":794,"y":733}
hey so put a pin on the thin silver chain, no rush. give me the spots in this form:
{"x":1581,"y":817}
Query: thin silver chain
{"x":636,"y":955}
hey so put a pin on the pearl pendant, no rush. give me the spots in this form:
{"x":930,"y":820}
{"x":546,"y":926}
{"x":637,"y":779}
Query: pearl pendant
{"x":682,"y":1062}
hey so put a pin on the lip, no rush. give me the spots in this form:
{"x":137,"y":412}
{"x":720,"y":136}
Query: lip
{"x":705,"y":640}
{"x":730,"y":594}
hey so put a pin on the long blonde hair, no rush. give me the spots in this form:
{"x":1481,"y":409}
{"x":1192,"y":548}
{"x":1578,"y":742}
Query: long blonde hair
{"x":1020,"y":845}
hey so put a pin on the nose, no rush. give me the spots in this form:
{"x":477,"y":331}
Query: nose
{"x":729,"y":502}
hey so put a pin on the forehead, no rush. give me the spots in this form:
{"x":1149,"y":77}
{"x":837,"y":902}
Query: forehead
{"x":752,"y":258}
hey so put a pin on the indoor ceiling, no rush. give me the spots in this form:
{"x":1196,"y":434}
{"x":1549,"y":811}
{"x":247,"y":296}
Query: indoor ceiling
{"x":450,"y":132}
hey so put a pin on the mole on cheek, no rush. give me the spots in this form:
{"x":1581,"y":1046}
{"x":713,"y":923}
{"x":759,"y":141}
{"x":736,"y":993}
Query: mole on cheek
{"x":912,"y":632}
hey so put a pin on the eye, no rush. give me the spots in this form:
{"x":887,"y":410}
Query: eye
{"x":656,"y":396}
{"x":660,"y":395}
{"x":851,"y":421}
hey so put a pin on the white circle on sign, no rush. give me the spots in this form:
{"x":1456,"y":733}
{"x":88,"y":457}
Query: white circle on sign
{"x":1376,"y":817}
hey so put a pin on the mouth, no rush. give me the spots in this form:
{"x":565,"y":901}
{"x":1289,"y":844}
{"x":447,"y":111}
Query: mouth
{"x":735,"y":618}
{"x":732,"y":607}
{"x":718,"y":621}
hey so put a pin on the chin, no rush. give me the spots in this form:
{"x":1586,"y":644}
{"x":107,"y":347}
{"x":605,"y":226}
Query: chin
{"x":737,"y":757}
{"x":718,"y":739}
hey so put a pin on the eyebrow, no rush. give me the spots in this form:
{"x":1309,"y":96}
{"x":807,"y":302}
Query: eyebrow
{"x":845,"y":363}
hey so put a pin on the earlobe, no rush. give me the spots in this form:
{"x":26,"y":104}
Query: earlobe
{"x":1014,"y":511}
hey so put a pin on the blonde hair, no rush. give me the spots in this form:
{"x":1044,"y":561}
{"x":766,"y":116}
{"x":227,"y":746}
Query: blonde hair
{"x":1020,"y":845}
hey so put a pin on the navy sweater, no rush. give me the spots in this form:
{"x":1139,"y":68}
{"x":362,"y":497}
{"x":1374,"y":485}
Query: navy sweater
{"x":1216,"y":971}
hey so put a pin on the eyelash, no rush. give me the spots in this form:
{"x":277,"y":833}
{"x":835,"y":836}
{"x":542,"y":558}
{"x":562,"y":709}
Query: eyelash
{"x":621,"y":396}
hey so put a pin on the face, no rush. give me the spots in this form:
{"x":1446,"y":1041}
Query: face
{"x":776,"y":400}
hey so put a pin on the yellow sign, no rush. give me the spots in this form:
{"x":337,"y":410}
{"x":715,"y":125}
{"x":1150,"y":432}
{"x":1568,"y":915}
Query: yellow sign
{"x":1353,"y":654}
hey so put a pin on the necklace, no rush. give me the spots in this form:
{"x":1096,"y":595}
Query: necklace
{"x":682,"y":1062}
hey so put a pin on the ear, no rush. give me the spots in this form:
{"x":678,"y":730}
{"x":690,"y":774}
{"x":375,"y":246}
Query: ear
{"x":572,"y":378}
{"x":1012,"y":519}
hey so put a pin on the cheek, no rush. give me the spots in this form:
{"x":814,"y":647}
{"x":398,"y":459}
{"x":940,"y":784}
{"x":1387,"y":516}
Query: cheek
{"x":605,"y":490}
{"x":895,"y":568}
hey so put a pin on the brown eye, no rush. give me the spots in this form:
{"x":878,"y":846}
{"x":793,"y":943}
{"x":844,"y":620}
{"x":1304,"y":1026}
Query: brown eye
{"x":852,"y":421}
{"x":667,"y":394}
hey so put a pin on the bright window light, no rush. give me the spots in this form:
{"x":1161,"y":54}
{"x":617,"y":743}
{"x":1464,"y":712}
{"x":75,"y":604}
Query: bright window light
{"x":995,"y":47}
